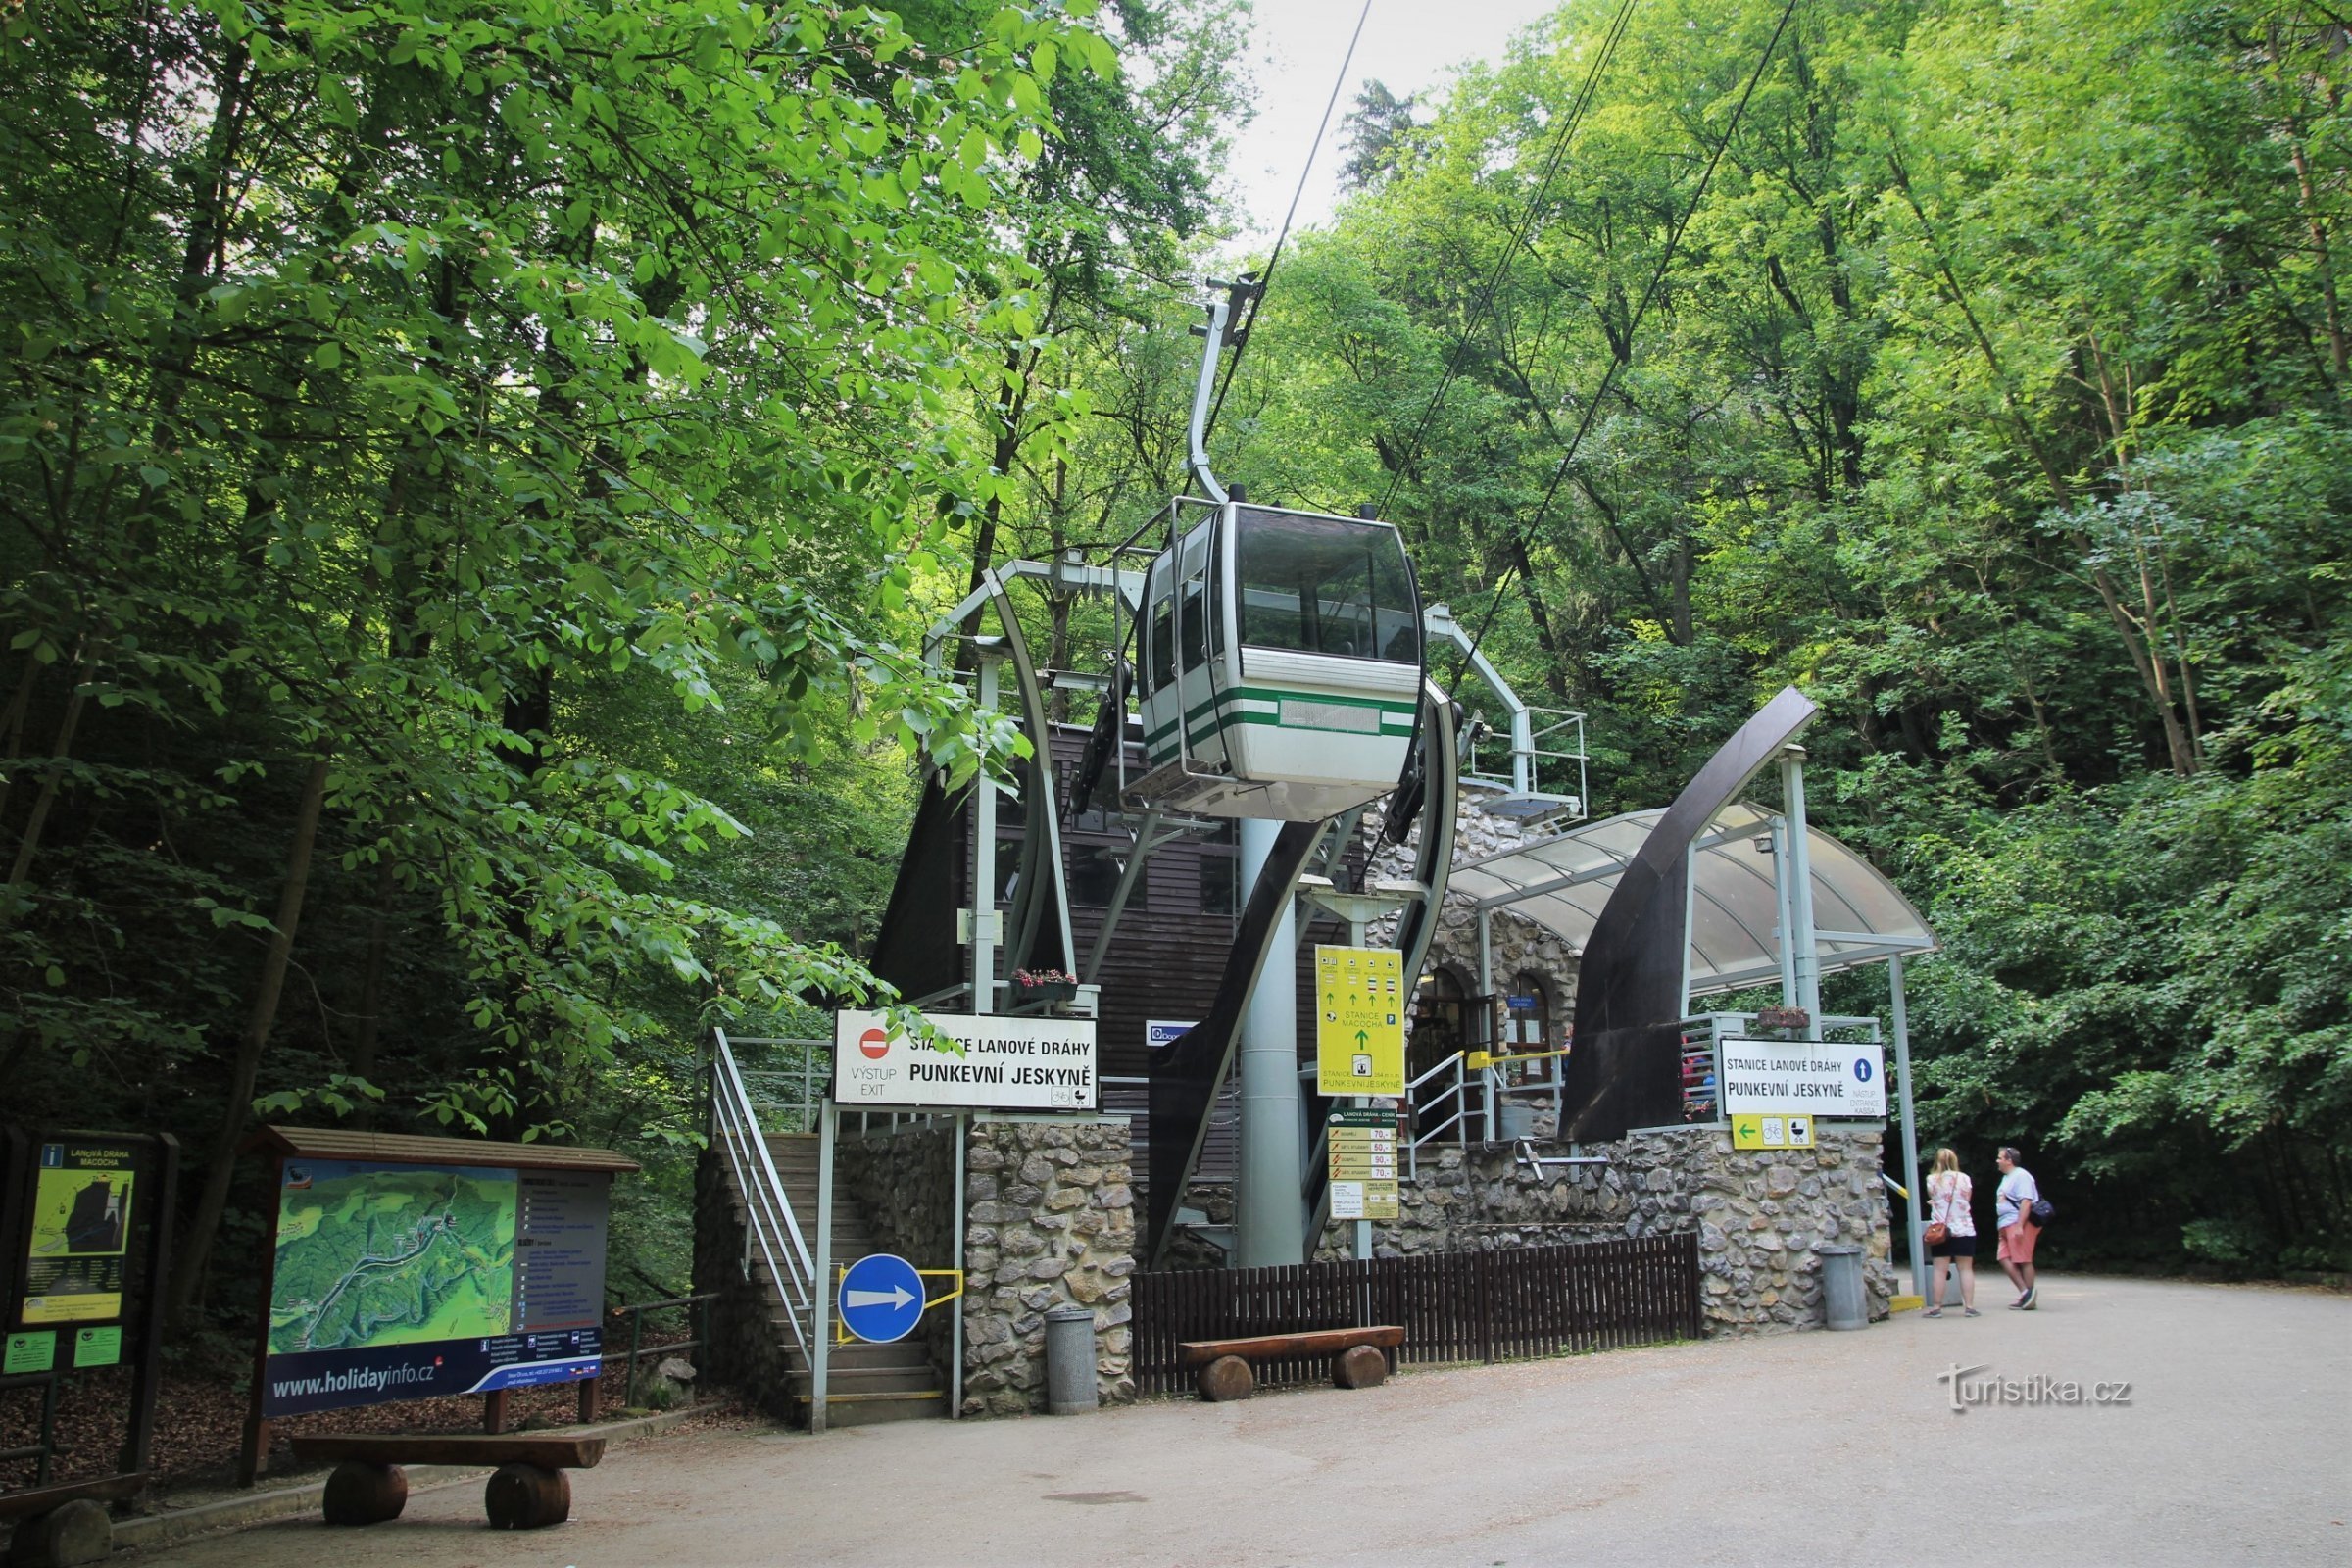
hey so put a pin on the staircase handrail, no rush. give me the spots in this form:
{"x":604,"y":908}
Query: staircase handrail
{"x":766,"y":1208}
{"x":1457,"y":1091}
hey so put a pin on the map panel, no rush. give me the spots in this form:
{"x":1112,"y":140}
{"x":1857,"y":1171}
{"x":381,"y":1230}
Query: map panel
{"x":397,"y":1281}
{"x":374,"y":1255}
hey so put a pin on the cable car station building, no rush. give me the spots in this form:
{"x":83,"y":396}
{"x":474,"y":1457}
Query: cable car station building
{"x":1272,"y":778}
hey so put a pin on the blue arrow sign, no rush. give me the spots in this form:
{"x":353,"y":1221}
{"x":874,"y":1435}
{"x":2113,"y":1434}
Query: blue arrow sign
{"x":881,"y":1297}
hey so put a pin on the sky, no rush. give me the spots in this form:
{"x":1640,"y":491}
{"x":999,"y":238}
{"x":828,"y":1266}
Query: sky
{"x":1410,"y":45}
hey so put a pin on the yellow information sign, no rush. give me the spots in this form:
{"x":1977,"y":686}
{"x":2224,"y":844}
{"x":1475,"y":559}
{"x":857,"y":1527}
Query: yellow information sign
{"x":81,"y":1232}
{"x":1360,"y":1022}
{"x":1772,"y":1131}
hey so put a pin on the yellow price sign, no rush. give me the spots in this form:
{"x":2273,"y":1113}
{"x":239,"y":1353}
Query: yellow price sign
{"x":1360,"y":1022}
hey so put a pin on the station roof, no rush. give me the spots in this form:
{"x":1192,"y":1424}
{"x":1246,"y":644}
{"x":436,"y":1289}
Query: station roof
{"x":1562,"y":883}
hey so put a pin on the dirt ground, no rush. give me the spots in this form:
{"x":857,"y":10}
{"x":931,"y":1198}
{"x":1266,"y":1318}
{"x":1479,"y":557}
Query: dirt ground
{"x":2227,"y":1441}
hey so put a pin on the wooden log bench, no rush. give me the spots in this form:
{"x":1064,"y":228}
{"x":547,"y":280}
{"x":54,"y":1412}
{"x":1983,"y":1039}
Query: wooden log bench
{"x":526,"y":1491}
{"x":1358,"y":1357}
{"x":65,"y":1524}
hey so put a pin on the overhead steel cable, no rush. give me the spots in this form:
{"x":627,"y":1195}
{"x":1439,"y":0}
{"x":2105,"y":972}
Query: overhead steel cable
{"x":1241,"y":330}
{"x":1510,"y":250}
{"x":1600,"y":393}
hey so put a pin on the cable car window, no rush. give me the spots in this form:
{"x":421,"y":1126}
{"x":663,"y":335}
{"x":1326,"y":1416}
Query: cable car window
{"x":1196,"y":627}
{"x":1163,"y":646}
{"x":1324,"y":585}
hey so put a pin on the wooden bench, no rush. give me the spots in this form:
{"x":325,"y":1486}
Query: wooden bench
{"x":1358,"y":1357}
{"x":66,"y":1523}
{"x":528,"y":1491}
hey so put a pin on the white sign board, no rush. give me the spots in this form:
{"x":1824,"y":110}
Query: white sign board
{"x":1803,"y":1078}
{"x":1005,"y":1063}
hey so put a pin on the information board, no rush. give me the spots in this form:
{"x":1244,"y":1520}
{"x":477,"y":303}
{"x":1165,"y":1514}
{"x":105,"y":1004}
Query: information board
{"x":407,"y":1281}
{"x":1360,"y":1022}
{"x":1364,"y":1164}
{"x":985,"y":1062}
{"x":77,"y":1235}
{"x":1803,"y":1078}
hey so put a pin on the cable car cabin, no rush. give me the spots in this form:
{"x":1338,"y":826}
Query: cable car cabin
{"x":1289,"y":643}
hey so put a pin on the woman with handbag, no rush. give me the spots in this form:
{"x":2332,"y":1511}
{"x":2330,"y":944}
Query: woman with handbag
{"x":1951,"y":1232}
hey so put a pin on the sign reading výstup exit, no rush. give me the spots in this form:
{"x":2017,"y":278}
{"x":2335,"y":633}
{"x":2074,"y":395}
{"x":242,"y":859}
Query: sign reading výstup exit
{"x":984,"y":1062}
{"x":1360,"y":1022}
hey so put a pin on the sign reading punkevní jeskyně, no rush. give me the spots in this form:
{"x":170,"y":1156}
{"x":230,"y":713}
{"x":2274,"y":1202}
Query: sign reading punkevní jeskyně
{"x":411,"y":1276}
{"x":991,"y":1062}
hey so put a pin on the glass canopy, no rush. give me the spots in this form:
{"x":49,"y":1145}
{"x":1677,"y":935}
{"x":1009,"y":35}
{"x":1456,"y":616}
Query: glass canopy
{"x":1562,"y":883}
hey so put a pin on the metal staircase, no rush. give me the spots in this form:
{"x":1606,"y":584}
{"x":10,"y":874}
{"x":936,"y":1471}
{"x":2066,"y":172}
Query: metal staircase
{"x":772,"y":1179}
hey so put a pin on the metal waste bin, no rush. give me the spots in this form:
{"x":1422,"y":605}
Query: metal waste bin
{"x":1843,"y":1303}
{"x":1070,"y":1361}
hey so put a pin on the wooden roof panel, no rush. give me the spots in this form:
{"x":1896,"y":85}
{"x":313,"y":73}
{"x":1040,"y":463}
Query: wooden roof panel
{"x":404,"y":1149}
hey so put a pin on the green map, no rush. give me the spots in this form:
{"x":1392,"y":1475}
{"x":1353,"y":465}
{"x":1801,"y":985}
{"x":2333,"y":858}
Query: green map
{"x":391,"y":1254}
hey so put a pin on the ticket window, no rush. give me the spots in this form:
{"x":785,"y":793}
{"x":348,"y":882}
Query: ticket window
{"x":1527,"y":1026}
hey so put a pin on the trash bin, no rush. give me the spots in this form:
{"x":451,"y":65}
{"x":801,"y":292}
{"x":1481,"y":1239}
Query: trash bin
{"x":1843,"y":1303}
{"x":1070,"y":1361}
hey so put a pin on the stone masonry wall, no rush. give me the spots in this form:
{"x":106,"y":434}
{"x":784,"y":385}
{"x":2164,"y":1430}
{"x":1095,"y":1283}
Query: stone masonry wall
{"x":1759,"y":1213}
{"x":1050,"y":1220}
{"x":904,"y":1181}
{"x":746,"y":1349}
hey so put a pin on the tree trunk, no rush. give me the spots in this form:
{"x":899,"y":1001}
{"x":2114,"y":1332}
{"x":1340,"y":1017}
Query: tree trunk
{"x":30,"y":842}
{"x":371,"y":981}
{"x":189,"y":1275}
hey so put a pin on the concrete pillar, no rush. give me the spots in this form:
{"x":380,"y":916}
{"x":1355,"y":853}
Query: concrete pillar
{"x":1800,"y":887}
{"x":1269,"y":1219}
{"x":1911,"y":1175}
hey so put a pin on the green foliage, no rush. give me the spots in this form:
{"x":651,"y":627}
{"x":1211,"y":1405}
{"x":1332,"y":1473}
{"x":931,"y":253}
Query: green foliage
{"x":1996,"y":399}
{"x":483,"y":457}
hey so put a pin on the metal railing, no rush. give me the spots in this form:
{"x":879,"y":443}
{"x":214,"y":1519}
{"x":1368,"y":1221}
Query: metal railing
{"x":790,"y":1095}
{"x":768,"y":1223}
{"x":698,"y":1327}
{"x":1460,"y":1086}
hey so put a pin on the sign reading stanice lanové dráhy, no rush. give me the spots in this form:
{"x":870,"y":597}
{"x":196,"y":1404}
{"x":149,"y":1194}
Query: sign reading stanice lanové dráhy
{"x":1005,"y":1063}
{"x":1803,"y":1078}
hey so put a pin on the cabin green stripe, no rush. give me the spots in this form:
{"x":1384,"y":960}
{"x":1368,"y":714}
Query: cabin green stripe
{"x":1391,"y":710}
{"x":1394,"y":716}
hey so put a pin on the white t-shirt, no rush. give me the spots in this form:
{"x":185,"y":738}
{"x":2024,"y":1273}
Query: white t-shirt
{"x":2016,"y":1192}
{"x":1949,"y":1195}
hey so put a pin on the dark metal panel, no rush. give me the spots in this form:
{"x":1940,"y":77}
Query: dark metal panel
{"x":1185,"y":1076}
{"x":1625,"y":1072}
{"x":916,"y":949}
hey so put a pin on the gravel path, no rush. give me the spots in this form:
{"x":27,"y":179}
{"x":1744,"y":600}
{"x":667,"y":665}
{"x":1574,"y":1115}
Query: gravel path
{"x":2235,"y":1445}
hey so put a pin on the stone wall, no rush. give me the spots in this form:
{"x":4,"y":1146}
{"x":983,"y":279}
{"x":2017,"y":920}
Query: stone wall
{"x":903,"y":1182}
{"x":1049,"y":1221}
{"x":1759,"y":1213}
{"x":746,"y":1349}
{"x":1514,"y":942}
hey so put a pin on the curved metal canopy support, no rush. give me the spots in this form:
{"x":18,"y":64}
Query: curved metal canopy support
{"x":1625,"y":1071}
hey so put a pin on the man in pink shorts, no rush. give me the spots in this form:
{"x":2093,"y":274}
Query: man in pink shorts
{"x":2014,"y":1201}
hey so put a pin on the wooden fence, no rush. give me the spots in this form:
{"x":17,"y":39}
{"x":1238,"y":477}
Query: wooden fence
{"x":1454,"y":1306}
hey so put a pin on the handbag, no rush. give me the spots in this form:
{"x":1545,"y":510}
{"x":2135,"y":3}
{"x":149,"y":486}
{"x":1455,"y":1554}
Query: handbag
{"x":1938,"y":1232}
